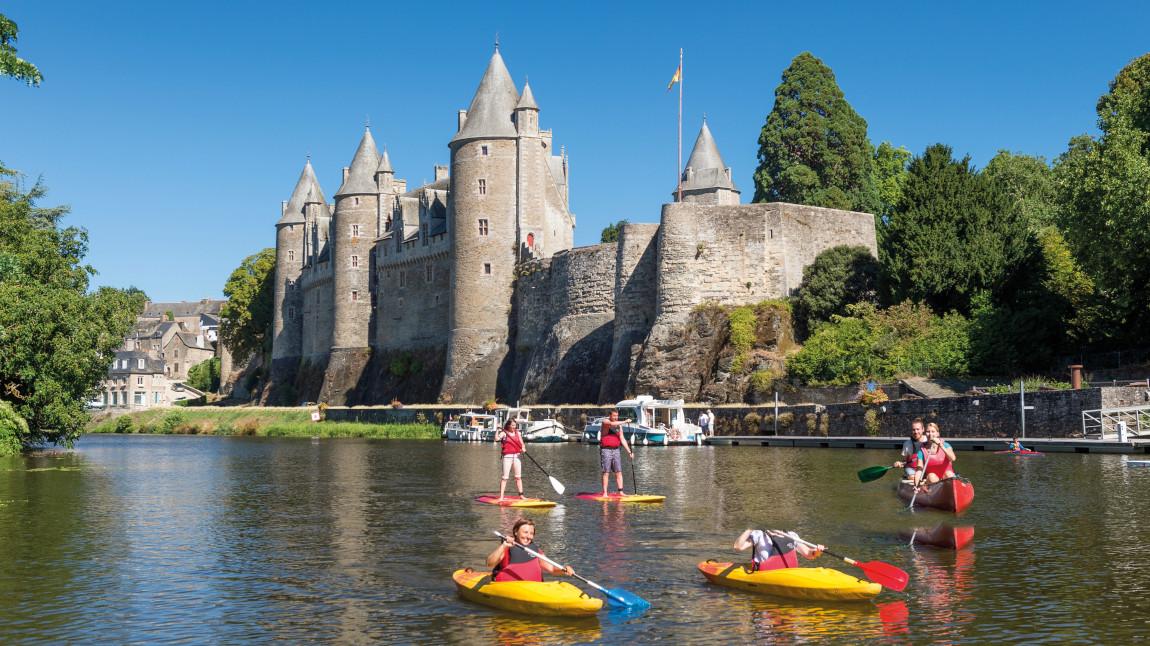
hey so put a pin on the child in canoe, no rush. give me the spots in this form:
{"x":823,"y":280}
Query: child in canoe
{"x":510,"y":562}
{"x":775,"y":548}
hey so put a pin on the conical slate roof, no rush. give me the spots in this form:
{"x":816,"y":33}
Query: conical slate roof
{"x":361,"y":177}
{"x":384,"y":163}
{"x":307,"y":183}
{"x":490,"y":113}
{"x":705,"y":167}
{"x":528,"y":99}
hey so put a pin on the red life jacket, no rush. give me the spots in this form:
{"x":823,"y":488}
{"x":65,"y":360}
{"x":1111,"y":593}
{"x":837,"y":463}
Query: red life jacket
{"x":512,"y":443}
{"x":609,"y":436}
{"x":518,"y":565}
{"x":782,"y":554}
{"x":938,"y":463}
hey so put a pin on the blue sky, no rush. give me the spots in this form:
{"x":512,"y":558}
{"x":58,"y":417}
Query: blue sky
{"x":174,"y":130}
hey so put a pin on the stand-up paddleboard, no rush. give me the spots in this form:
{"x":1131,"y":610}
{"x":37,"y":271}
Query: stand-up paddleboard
{"x":1026,"y":452}
{"x":515,"y":501}
{"x":616,"y":497}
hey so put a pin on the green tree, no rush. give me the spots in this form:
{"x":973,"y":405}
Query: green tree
{"x":246,"y":318}
{"x":611,"y":231}
{"x":813,"y":148}
{"x":952,"y":234}
{"x":1103,"y":186}
{"x":1029,"y":184}
{"x":58,"y":338}
{"x":205,"y":375}
{"x":838,"y":277}
{"x":12,"y":65}
{"x":890,"y":174}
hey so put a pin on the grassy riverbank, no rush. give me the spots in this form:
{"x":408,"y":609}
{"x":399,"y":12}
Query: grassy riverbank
{"x":268,"y":422}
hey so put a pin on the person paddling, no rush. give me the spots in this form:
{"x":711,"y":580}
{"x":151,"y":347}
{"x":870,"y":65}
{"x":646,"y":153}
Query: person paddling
{"x":510,"y":562}
{"x":935,"y":459}
{"x":511,"y":446}
{"x":610,"y":439}
{"x":775,"y":548}
{"x":910,"y":448}
{"x":1016,"y":446}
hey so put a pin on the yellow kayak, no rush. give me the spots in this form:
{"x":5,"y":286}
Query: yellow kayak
{"x":820,"y":583}
{"x":553,"y":598}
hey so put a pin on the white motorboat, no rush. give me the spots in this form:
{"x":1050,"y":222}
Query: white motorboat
{"x":533,"y":430}
{"x":653,"y":422}
{"x":471,"y":427}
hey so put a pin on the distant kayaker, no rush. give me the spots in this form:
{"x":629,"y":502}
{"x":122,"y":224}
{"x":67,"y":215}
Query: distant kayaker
{"x":509,"y":562}
{"x":935,"y":459}
{"x":610,"y":439}
{"x":910,"y":448}
{"x":775,"y":548}
{"x":1016,"y":446}
{"x":511,"y":446}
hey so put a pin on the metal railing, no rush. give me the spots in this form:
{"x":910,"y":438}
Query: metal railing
{"x":1112,"y":423}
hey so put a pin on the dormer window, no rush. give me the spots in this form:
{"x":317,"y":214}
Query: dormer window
{"x":140,"y":363}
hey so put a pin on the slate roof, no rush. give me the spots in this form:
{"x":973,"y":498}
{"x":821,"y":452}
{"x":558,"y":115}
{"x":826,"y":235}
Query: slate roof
{"x":152,"y":365}
{"x":361,"y":176}
{"x":384,"y":163}
{"x":527,"y":100}
{"x":190,"y":340}
{"x":489,"y":116}
{"x":183,"y":308}
{"x":306,"y":188}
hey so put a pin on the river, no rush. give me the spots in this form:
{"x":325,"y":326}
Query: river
{"x":145,"y":539}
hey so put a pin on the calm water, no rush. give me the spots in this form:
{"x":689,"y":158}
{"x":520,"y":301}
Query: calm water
{"x":202,"y":539}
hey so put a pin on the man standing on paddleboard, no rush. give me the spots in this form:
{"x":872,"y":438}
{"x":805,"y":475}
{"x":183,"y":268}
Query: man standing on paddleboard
{"x":610,"y":439}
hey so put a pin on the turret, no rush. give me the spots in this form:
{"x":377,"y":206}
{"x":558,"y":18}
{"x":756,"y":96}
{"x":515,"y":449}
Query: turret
{"x":354,"y":228}
{"x":527,"y":113}
{"x":706,"y":179}
{"x":483,"y":227}
{"x":290,"y":254}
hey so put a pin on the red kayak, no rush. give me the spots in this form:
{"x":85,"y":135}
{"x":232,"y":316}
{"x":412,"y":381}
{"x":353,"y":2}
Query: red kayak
{"x":947,"y":537}
{"x":1026,"y":452}
{"x":951,"y":494}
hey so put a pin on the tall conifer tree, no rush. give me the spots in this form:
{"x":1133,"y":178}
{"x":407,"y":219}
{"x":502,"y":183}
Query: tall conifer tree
{"x":813,"y":148}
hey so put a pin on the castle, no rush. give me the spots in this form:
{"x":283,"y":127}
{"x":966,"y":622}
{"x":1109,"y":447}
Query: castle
{"x":469,"y":288}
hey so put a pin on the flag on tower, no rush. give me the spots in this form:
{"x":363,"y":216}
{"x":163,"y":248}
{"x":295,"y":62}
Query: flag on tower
{"x":676,"y":78}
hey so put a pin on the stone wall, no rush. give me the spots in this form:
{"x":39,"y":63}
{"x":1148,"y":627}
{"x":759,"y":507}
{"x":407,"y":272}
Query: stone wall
{"x":636,"y":292}
{"x":413,"y":292}
{"x":810,"y":230}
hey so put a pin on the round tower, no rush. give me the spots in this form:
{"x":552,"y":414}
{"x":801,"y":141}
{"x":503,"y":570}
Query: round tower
{"x":353,"y":232}
{"x":482,"y":225}
{"x":287,"y":317}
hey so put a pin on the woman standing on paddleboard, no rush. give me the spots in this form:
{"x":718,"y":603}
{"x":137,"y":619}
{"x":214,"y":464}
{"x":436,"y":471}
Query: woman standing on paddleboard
{"x":510,"y":562}
{"x":511,"y":445}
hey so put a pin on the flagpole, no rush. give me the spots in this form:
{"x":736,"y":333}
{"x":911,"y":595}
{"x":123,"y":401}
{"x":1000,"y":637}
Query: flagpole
{"x":679,"y":169}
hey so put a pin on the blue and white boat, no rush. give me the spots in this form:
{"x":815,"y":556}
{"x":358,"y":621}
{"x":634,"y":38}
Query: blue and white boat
{"x":659,"y":422}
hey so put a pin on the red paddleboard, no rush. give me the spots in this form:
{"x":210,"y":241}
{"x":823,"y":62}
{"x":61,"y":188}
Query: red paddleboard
{"x":515,"y":501}
{"x":617,"y":497}
{"x":1026,"y":452}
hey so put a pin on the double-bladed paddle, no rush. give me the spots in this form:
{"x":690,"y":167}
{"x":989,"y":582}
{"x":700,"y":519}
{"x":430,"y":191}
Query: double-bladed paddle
{"x":884,"y":574}
{"x":870,"y":474}
{"x":616,"y":597}
{"x":555,"y":484}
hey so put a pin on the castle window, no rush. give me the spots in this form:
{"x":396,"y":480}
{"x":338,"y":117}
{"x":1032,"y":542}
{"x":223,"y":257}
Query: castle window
{"x":437,"y":299}
{"x":771,"y":233}
{"x":355,"y":201}
{"x":354,"y":295}
{"x":482,"y":226}
{"x":403,"y":278}
{"x":483,"y":187}
{"x":423,"y":233}
{"x":290,"y":283}
{"x":355,"y":230}
{"x":487,"y":268}
{"x":291,"y":255}
{"x":291,"y":227}
{"x":427,"y":272}
{"x":354,"y":262}
{"x":291,"y":313}
{"x":483,"y":150}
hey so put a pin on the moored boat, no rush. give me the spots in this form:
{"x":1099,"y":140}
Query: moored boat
{"x":658,"y":422}
{"x":470,"y":427}
{"x":952,"y":494}
{"x":944,"y":536}
{"x":533,"y":430}
{"x":812,"y":583}
{"x":550,"y":598}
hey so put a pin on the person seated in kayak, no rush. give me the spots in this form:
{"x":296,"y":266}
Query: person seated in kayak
{"x":511,"y":446}
{"x":510,"y":562}
{"x":936,"y":458}
{"x":910,"y":448}
{"x":610,"y":439}
{"x":774,"y":549}
{"x":1016,"y":446}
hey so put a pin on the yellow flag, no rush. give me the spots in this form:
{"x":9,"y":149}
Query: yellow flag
{"x":676,"y":78}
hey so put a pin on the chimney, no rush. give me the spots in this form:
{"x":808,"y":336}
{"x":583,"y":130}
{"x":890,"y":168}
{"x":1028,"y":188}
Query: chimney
{"x":462,"y":118}
{"x":346,"y":170}
{"x":440,"y":172}
{"x":283,"y":207}
{"x":199,"y":340}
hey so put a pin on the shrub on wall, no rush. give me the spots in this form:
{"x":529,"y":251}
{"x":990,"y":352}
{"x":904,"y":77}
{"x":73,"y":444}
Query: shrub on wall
{"x":751,"y":423}
{"x":742,"y":322}
{"x":870,"y":421}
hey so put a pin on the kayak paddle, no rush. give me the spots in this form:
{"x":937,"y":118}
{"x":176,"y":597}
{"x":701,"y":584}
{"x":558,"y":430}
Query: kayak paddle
{"x":555,"y":484}
{"x":884,"y":574}
{"x":616,"y":597}
{"x":871,"y":474}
